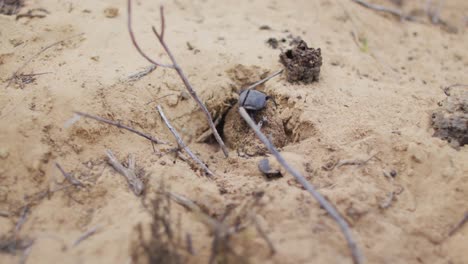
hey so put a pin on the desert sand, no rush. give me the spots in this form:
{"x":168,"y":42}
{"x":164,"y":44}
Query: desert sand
{"x":381,"y":80}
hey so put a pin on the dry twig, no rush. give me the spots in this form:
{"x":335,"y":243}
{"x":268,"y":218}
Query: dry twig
{"x":357,"y":162}
{"x":4,"y":213}
{"x":17,"y":74}
{"x":181,"y":143}
{"x":264,"y":80}
{"x":459,"y":225}
{"x":22,"y":218}
{"x":177,"y":68}
{"x":264,"y":235}
{"x":356,"y":254}
{"x":205,"y":135}
{"x":34,"y":13}
{"x":119,"y":125}
{"x":85,"y":235}
{"x":137,"y":76}
{"x":135,"y":183}
{"x":68,"y":176}
{"x":379,"y":8}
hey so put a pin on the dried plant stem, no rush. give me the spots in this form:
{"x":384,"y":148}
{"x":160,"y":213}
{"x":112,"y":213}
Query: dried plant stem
{"x":357,"y":257}
{"x":85,"y":235}
{"x":135,"y":183}
{"x":264,"y":80}
{"x":68,"y":176}
{"x":379,"y":8}
{"x":459,"y":224}
{"x":181,"y":143}
{"x":119,"y":125}
{"x":177,"y":68}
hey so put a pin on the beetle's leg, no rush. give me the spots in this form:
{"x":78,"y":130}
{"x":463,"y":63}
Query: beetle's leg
{"x":273,"y":99}
{"x":263,"y":121}
{"x":252,"y":115}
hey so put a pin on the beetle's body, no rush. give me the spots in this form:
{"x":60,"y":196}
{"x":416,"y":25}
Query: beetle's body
{"x":253,"y":100}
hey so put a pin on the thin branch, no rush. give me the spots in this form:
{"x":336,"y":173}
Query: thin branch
{"x":182,"y":144}
{"x":358,"y":162}
{"x":459,"y":225}
{"x":180,"y":72}
{"x":264,"y":235}
{"x":132,"y":36}
{"x":4,"y":213}
{"x":129,"y":173}
{"x":137,"y":76}
{"x":17,"y":72}
{"x":379,"y":8}
{"x":163,"y":24}
{"x":262,"y":81}
{"x":204,"y":136}
{"x":68,"y":176}
{"x":357,"y":257}
{"x":26,"y":252}
{"x":22,"y":219}
{"x":87,"y":234}
{"x":119,"y":125}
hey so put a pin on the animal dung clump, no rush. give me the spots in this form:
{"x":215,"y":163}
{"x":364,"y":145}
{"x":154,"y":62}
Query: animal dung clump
{"x":450,"y":121}
{"x":302,"y":63}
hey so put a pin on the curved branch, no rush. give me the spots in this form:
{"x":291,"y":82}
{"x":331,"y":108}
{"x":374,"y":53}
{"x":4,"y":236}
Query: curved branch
{"x":132,"y":36}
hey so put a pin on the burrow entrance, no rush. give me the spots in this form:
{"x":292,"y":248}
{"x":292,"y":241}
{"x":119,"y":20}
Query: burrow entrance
{"x":281,"y":129}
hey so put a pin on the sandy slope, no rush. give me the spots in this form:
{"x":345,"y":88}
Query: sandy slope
{"x":376,"y":100}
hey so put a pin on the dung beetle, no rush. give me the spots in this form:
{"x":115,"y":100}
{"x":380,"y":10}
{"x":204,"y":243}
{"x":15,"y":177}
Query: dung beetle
{"x":253,"y":100}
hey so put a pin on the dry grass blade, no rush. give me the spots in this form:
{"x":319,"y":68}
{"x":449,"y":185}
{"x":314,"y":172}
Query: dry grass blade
{"x":119,"y":125}
{"x":135,"y":183}
{"x":180,"y":72}
{"x":181,"y":143}
{"x":357,"y":257}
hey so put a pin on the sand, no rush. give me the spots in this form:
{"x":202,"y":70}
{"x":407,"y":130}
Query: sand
{"x":373,"y":101}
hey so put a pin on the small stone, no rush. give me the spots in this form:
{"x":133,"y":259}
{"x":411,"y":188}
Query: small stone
{"x":172,"y":100}
{"x":4,"y":153}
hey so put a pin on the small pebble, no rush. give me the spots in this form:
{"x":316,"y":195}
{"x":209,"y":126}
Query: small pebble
{"x":4,"y":153}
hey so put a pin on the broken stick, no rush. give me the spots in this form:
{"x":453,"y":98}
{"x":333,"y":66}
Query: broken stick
{"x":177,"y":68}
{"x":356,"y":254}
{"x":68,"y":176}
{"x":135,"y":183}
{"x":181,"y":143}
{"x":459,"y":225}
{"x":87,"y":234}
{"x":264,"y":80}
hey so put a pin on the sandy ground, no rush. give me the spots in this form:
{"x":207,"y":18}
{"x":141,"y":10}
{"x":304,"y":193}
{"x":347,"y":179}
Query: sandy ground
{"x":374,"y":100}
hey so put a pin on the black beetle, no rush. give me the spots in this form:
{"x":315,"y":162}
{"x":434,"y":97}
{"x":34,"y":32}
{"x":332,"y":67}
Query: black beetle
{"x":253,"y":100}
